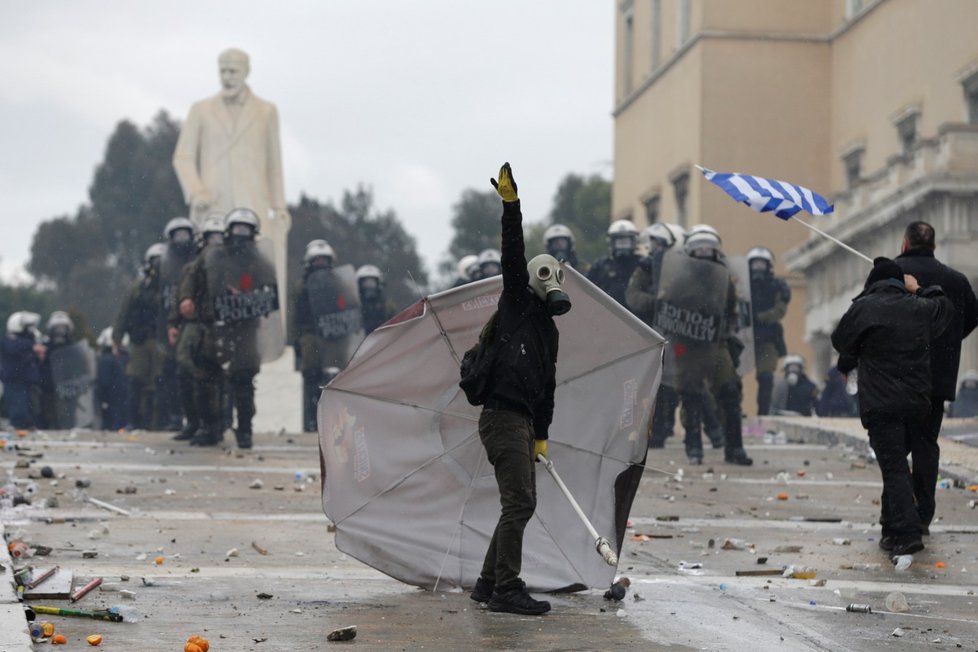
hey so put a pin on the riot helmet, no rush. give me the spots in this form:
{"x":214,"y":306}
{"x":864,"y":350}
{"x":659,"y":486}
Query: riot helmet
{"x":370,"y":283}
{"x":154,"y":254}
{"x":240,"y":227}
{"x":180,"y":233}
{"x":59,"y":327}
{"x":490,"y":263}
{"x":703,"y":245}
{"x":467,"y":267}
{"x":559,"y":242}
{"x":15,"y":323}
{"x":319,"y":255}
{"x":761,"y":261}
{"x":546,"y":279}
{"x":657,"y":237}
{"x":704,"y":228}
{"x":622,"y":238}
{"x":212,"y":230}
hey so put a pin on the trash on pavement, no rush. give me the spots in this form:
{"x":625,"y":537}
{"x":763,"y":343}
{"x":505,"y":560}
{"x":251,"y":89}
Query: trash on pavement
{"x":94,"y":639}
{"x":259,"y":549}
{"x":898,"y":632}
{"x":618,"y":589}
{"x":897,"y":602}
{"x":903,"y":562}
{"x":799,"y":573}
{"x":859,"y":608}
{"x":343,"y":634}
{"x":790,"y":549}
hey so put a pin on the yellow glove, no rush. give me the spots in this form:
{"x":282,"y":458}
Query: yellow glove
{"x":539,"y":448}
{"x":506,"y":186}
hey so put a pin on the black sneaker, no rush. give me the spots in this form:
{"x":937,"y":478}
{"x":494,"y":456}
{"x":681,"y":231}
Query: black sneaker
{"x":906,"y":546}
{"x":887,"y":543}
{"x":208,"y":437}
{"x":518,"y":601}
{"x":187,"y":433}
{"x":482,"y":591}
{"x":737,"y":456}
{"x":694,"y":456}
{"x":244,"y":438}
{"x":717,"y":439}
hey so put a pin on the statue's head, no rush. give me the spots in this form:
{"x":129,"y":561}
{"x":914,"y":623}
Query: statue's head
{"x":234,"y":67}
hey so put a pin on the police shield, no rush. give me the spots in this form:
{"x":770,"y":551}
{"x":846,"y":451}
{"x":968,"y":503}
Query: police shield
{"x":334,"y":302}
{"x":691,"y":298}
{"x":73,"y":376}
{"x":740,"y":272}
{"x":243,"y":292}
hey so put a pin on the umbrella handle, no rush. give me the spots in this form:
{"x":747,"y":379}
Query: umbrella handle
{"x":602,"y":545}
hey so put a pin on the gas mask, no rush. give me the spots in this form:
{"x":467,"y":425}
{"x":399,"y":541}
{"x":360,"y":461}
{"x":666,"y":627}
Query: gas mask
{"x":559,"y":248}
{"x":759,"y":268}
{"x":369,"y":290}
{"x":58,"y":334}
{"x":546,"y":277}
{"x":622,"y":246}
{"x":239,"y":236}
{"x":182,"y":242}
{"x":792,"y":375}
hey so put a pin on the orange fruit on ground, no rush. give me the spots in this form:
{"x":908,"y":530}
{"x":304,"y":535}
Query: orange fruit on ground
{"x":782,"y":496}
{"x":200,"y":642}
{"x":159,"y":560}
{"x":940,"y":564}
{"x":58,"y":639}
{"x":94,"y":639}
{"x":192,"y":647}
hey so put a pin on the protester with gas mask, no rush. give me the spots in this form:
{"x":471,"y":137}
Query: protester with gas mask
{"x":516,"y":416}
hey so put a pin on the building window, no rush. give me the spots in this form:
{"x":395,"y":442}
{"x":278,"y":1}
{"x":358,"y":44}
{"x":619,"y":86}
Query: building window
{"x":628,"y":42}
{"x":656,"y":33}
{"x":683,"y":21}
{"x":970,"y":86}
{"x":680,"y":187}
{"x":853,"y":162}
{"x":652,"y":209}
{"x":907,"y":132}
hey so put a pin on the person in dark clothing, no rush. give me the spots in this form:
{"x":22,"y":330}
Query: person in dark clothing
{"x":918,"y":260}
{"x":375,"y":308}
{"x":20,"y":370}
{"x":965,"y":406}
{"x":111,"y":383}
{"x":889,"y":330}
{"x":612,"y":273}
{"x":795,"y":393}
{"x":835,"y":401}
{"x":769,"y":304}
{"x":515,"y":420}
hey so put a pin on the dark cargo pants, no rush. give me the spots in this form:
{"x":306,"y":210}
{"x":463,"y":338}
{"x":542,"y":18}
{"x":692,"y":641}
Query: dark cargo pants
{"x":508,"y":439}
{"x":888,"y":435}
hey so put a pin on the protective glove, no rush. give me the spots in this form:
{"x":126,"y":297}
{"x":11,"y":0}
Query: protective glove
{"x":539,"y":448}
{"x":506,"y":186}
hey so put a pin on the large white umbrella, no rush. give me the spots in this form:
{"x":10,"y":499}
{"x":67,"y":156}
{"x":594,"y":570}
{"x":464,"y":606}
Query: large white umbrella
{"x":405,"y":476}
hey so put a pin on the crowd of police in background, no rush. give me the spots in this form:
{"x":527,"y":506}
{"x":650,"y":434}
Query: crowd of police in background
{"x":184,"y":350}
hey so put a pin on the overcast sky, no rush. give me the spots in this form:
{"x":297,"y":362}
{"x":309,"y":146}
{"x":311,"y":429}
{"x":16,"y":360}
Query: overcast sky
{"x":418,"y":99}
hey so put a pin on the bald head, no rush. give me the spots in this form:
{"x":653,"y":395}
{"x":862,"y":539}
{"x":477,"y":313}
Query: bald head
{"x":234,"y":67}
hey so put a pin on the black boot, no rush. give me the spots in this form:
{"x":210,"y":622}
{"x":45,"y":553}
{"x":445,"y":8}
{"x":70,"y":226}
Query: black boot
{"x":728,"y":403}
{"x":483,"y":590}
{"x":518,"y":601}
{"x":210,"y":436}
{"x":187,"y":432}
{"x":243,"y":388}
{"x":188,"y":401}
{"x":244,"y":438}
{"x":692,"y":418}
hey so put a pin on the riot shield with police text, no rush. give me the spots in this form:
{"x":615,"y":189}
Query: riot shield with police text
{"x":692,"y":297}
{"x":740,"y":272}
{"x":243,"y":292}
{"x":73,"y":376}
{"x":334,"y":302}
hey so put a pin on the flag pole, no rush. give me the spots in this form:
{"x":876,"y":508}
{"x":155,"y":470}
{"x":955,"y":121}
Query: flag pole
{"x":835,"y":240}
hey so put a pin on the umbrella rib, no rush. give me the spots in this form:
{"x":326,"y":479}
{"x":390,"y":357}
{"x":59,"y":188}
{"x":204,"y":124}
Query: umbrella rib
{"x":543,"y":524}
{"x":458,"y":525}
{"x":392,"y":401}
{"x":610,"y":363}
{"x":444,"y":334}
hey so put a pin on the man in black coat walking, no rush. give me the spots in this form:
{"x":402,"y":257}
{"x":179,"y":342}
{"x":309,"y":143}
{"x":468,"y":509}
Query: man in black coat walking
{"x":889,"y":329}
{"x":918,"y":260}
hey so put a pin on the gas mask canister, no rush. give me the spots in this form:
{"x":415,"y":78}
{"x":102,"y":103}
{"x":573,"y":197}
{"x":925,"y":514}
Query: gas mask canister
{"x":546,"y":277}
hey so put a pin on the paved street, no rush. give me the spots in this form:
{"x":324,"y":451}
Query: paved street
{"x":193,"y":507}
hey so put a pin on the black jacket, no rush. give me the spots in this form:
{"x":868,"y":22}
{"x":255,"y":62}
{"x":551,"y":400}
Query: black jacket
{"x":525,"y":366}
{"x":612,"y":274}
{"x":889,"y":331}
{"x":946,"y":350}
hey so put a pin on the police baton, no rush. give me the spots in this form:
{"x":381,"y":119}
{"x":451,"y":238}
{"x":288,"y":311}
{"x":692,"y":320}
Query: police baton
{"x":602,"y":545}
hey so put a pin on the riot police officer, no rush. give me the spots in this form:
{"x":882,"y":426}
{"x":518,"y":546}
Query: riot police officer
{"x":325,"y":316}
{"x":640,"y":296}
{"x":612,"y":273}
{"x":467,"y":270}
{"x":174,"y":402}
{"x":490,"y":263}
{"x":374,"y":306}
{"x":559,"y":242}
{"x":769,"y":303}
{"x":697,"y":307}
{"x":137,"y":318}
{"x":229,"y":292}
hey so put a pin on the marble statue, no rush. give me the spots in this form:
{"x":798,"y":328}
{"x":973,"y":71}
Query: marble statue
{"x":228,"y":155}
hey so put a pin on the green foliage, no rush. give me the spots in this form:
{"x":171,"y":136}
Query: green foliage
{"x":92,"y":256}
{"x":584,"y":205}
{"x":25,"y":297}
{"x":360,"y":234}
{"x":475,"y":220}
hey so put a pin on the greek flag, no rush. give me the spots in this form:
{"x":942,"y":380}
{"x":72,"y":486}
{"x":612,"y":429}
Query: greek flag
{"x":766,"y":195}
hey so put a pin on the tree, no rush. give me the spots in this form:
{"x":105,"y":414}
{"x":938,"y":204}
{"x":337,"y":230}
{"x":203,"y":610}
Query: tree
{"x":475,"y":220}
{"x":584,"y":205}
{"x":360,"y":235}
{"x":90,"y":258}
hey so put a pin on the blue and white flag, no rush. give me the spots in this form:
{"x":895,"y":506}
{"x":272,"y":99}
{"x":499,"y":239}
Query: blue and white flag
{"x":767,"y":195}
